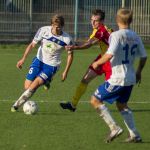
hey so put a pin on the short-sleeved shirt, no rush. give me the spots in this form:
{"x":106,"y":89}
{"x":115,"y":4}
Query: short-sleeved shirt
{"x":124,"y":45}
{"x":102,"y":34}
{"x":51,"y":45}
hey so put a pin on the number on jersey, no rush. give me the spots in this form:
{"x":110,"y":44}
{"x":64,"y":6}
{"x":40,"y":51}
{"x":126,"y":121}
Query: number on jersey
{"x":128,"y":51}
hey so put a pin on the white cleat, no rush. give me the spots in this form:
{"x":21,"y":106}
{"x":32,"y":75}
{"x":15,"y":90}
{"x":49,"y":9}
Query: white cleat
{"x":114,"y":133}
{"x":136,"y":139}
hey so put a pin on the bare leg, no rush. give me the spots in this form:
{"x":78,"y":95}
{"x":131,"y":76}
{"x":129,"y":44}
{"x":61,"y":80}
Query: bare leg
{"x":28,"y":93}
{"x":80,"y":90}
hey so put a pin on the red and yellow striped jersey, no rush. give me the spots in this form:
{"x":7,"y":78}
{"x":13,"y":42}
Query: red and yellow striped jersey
{"x":102,"y":33}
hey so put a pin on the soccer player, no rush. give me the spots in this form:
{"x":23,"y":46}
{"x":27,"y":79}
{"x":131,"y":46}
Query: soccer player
{"x":100,"y":35}
{"x":124,"y":46}
{"x":47,"y":61}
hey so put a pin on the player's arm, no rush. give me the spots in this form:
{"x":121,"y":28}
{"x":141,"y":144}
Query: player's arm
{"x":102,"y":60}
{"x":26,"y":53}
{"x":143,"y":57}
{"x":113,"y":46}
{"x":140,"y":68}
{"x":68,"y":64}
{"x":83,"y":46}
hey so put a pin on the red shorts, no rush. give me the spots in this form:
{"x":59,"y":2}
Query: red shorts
{"x":102,"y":69}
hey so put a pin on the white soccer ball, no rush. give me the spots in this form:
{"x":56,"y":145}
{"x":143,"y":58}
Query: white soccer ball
{"x":30,"y":108}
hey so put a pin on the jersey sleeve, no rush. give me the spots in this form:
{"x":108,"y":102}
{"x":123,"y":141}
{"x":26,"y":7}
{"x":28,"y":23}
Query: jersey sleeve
{"x":113,"y":44}
{"x":38,"y":36}
{"x":93,"y":34}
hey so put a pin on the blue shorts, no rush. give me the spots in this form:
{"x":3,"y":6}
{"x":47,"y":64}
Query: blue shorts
{"x":111,"y":93}
{"x":39,"y":69}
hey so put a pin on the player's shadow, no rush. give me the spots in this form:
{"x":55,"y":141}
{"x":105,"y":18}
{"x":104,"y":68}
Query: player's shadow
{"x":112,"y":110}
{"x":140,"y":110}
{"x":55,"y":113}
{"x":134,"y":110}
{"x":143,"y":142}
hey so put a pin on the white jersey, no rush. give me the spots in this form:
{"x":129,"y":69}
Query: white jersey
{"x":51,"y":46}
{"x":124,"y":45}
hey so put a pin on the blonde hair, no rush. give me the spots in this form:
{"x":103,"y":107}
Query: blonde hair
{"x":124,"y":16}
{"x":58,"y":19}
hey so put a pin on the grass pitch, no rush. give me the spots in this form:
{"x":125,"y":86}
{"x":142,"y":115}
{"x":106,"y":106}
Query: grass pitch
{"x":53,"y":128}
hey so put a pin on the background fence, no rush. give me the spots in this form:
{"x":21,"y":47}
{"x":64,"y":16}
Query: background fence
{"x":20,"y":19}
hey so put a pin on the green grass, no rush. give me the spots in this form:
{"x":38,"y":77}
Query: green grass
{"x":55,"y":129}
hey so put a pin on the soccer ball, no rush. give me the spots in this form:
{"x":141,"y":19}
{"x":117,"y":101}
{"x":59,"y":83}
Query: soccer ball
{"x":30,"y":108}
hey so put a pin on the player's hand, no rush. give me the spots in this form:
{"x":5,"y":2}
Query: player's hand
{"x":64,"y":76}
{"x":20,"y":63}
{"x":95,"y":65}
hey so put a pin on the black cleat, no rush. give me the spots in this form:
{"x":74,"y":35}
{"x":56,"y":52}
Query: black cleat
{"x":14,"y":109}
{"x":47,"y":85}
{"x":68,"y":106}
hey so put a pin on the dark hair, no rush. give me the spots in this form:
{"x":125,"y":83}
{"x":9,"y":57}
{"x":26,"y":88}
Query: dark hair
{"x":100,"y":13}
{"x":58,"y":19}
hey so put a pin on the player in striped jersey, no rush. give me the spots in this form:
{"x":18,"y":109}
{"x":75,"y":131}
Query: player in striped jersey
{"x":48,"y":59}
{"x":100,"y":35}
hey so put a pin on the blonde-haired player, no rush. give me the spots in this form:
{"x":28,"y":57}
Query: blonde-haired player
{"x":124,"y":46}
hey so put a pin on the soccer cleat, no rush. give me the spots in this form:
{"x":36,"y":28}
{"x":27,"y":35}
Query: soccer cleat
{"x":14,"y":109}
{"x":136,"y":139}
{"x":47,"y":85}
{"x":114,"y":133}
{"x":68,"y":106}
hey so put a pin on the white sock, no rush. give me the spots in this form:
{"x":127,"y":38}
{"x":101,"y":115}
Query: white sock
{"x":23,"y":98}
{"x":129,"y":122}
{"x":105,"y":114}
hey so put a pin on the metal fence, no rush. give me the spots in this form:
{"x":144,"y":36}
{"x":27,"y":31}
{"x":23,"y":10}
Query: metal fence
{"x":20,"y":19}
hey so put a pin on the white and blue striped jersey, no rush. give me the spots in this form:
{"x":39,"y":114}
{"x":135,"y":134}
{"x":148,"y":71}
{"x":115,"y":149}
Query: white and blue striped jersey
{"x":124,"y":45}
{"x":51,"y":45}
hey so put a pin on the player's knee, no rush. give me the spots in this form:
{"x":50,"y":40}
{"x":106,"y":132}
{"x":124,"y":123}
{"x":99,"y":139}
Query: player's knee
{"x":37,"y":82}
{"x":121,"y":106}
{"x":94,"y":102}
{"x":26,"y":86}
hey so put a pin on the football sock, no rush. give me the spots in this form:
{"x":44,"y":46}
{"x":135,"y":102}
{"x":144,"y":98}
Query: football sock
{"x":105,"y":114}
{"x":80,"y":90}
{"x":129,"y":122}
{"x":23,"y":98}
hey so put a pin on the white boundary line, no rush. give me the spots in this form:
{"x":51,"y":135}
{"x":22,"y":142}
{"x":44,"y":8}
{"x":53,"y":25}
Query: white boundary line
{"x":50,"y":101}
